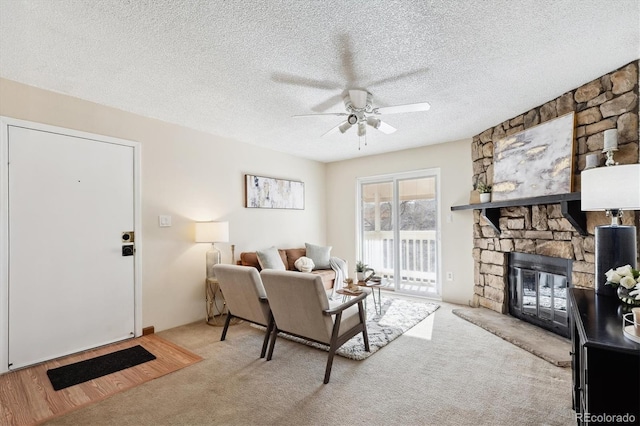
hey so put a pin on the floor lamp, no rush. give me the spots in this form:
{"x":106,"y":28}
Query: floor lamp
{"x":612,"y":189}
{"x":212,"y":232}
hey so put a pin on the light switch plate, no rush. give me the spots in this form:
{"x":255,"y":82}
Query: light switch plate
{"x":164,"y":221}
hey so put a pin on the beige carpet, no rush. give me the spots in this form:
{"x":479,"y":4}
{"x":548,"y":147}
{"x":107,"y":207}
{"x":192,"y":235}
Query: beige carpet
{"x":444,"y":371}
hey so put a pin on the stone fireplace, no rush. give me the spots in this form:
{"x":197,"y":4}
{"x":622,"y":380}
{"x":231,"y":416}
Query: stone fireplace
{"x":544,"y":228}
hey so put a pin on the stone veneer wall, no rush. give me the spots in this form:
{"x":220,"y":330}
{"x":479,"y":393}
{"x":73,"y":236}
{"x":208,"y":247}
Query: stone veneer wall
{"x":608,"y":102}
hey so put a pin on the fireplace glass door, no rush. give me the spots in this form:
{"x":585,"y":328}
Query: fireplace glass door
{"x":553,"y":297}
{"x":539,"y":296}
{"x":529,"y":303}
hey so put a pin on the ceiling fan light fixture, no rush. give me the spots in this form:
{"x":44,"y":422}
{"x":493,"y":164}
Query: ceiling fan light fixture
{"x":378,"y":124}
{"x":373,"y":122}
{"x":344,"y":127}
{"x":362,"y":128}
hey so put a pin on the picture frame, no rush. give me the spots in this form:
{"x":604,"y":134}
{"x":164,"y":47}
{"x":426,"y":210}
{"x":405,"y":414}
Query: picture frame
{"x":273,"y":193}
{"x":543,"y":157}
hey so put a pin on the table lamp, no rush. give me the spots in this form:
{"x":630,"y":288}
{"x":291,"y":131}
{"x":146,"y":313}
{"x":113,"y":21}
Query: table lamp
{"x":612,"y":189}
{"x":212,"y":232}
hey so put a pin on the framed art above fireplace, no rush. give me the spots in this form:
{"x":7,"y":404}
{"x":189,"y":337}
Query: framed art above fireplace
{"x":537,"y":161}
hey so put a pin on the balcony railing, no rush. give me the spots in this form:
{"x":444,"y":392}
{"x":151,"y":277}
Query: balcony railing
{"x":418,"y":259}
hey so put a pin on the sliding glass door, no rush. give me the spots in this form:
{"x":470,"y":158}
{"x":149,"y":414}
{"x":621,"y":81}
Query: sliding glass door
{"x":399,"y":230}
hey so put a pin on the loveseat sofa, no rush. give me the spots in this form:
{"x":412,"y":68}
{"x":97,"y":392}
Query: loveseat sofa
{"x":289,"y":257}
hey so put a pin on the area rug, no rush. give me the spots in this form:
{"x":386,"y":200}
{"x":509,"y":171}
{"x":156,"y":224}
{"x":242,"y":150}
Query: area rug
{"x":396,"y":317}
{"x":89,"y":369}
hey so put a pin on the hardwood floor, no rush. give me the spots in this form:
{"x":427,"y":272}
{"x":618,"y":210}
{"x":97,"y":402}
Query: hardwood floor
{"x":27,"y":397}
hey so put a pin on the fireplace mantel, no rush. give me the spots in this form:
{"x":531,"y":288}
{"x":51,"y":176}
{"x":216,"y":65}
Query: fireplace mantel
{"x":569,"y":205}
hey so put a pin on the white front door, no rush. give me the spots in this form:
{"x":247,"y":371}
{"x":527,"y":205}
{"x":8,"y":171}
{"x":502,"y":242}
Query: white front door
{"x":70,"y":288}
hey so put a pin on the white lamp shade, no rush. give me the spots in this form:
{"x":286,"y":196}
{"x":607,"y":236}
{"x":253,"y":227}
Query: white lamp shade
{"x":611,"y":188}
{"x":212,"y":232}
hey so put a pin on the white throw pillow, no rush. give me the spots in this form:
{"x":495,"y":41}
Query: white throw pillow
{"x":320,"y":255}
{"x":304,"y":264}
{"x":270,"y":259}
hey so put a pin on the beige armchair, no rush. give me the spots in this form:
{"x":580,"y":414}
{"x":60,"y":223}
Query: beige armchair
{"x":301,"y":308}
{"x":245,"y":298}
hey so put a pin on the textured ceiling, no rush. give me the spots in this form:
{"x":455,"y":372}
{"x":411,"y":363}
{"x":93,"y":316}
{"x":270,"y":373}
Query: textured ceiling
{"x":240,"y":69}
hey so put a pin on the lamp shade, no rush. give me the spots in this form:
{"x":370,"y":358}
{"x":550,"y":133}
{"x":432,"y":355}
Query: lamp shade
{"x":212,"y":232}
{"x":611,"y":188}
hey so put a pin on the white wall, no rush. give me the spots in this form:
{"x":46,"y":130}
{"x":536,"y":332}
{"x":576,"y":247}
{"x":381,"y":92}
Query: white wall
{"x":194,"y":176}
{"x":454,"y":161}
{"x":191,"y":176}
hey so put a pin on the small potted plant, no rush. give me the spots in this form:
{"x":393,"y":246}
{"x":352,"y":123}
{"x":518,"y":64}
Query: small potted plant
{"x":485,"y":192}
{"x":362,"y":269}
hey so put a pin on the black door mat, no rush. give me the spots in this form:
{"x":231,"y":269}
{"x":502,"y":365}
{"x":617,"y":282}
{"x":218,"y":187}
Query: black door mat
{"x":83,"y":371}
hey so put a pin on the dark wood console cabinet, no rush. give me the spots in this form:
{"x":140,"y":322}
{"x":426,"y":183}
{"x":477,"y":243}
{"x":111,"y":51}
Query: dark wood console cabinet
{"x":606,"y":365}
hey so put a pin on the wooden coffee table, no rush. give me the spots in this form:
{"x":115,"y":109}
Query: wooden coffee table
{"x":377,"y":301}
{"x":346,"y":293}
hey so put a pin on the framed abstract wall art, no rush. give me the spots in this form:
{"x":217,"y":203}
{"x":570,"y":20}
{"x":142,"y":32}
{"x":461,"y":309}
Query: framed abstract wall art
{"x":271,"y":193}
{"x":535,"y":162}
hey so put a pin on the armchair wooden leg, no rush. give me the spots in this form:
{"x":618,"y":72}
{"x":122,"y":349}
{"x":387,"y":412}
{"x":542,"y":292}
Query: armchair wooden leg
{"x":273,"y":342}
{"x":363,"y":320}
{"x":267,"y":335}
{"x":327,"y":371}
{"x":332,"y":347}
{"x":365,"y":337}
{"x":226,"y":326}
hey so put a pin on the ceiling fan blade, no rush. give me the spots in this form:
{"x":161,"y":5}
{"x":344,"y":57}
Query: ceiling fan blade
{"x":295,"y":80}
{"x":339,"y":114}
{"x":342,"y":127}
{"x":325,"y":105}
{"x":346,"y":58}
{"x":397,"y":109}
{"x":380,"y":125}
{"x":398,"y":77}
{"x":386,"y":128}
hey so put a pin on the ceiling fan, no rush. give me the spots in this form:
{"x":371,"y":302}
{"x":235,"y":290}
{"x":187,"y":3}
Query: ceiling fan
{"x":361,"y":113}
